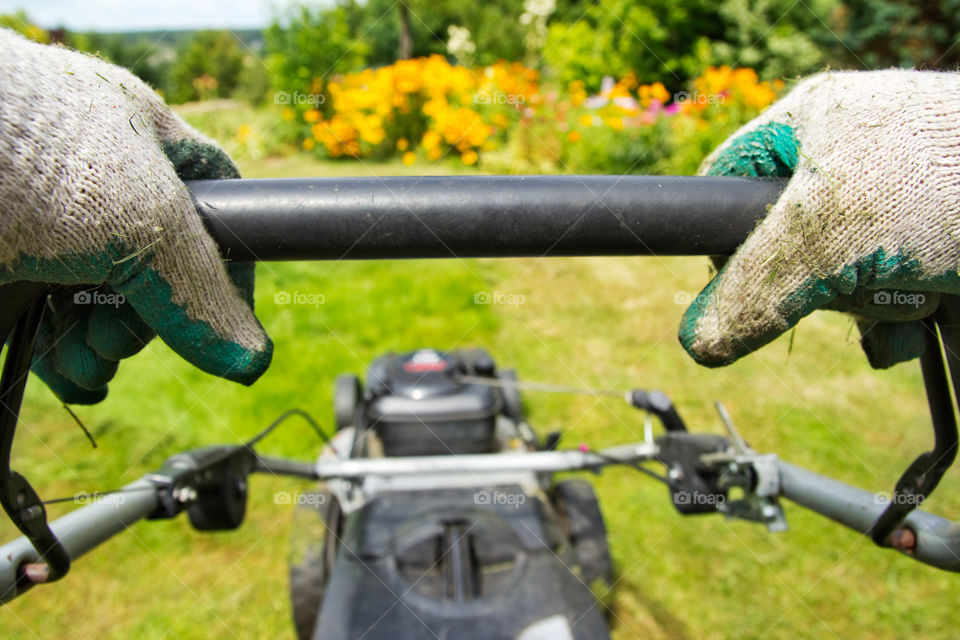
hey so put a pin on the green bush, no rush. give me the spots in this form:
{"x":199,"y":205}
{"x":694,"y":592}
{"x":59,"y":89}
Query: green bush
{"x":777,"y":38}
{"x":209,"y":66}
{"x":306,"y":45}
{"x":656,"y":40}
{"x":672,"y":42}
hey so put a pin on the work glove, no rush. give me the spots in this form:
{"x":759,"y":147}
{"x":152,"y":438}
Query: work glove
{"x":91,"y":169}
{"x":869,"y":221}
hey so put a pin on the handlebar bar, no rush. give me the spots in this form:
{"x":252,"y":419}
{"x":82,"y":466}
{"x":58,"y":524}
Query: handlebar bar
{"x":81,"y":530}
{"x":78,"y":532}
{"x":481,"y":216}
{"x":936,"y":539}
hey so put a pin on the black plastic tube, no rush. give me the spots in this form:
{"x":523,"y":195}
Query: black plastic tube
{"x":481,"y":216}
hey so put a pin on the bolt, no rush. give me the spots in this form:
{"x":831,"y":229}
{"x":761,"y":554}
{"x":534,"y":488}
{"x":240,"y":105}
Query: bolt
{"x":35,"y":572}
{"x":185,"y":494}
{"x":904,"y":539}
{"x":30,"y":513}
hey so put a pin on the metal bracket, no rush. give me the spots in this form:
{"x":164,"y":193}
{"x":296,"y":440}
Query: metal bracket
{"x":757,"y":474}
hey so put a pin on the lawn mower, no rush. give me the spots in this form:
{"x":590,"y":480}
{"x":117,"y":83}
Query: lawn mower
{"x":438,"y":513}
{"x":471,"y":552}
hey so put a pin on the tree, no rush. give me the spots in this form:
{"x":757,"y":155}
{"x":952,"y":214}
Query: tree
{"x":659,"y":40}
{"x":406,"y":33}
{"x":208,"y":66}
{"x":305,"y":45}
{"x":494,"y":27}
{"x":884,"y":33}
{"x":144,"y":57}
{"x":777,"y":38}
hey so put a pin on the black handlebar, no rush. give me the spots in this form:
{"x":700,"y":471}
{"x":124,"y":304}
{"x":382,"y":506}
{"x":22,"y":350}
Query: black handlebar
{"x":481,"y":216}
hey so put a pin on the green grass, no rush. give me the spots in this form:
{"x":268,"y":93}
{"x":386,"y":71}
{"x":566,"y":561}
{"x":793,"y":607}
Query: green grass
{"x":592,"y":322}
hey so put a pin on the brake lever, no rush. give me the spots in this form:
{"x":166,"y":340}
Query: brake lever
{"x":20,"y":322}
{"x":925,"y":472}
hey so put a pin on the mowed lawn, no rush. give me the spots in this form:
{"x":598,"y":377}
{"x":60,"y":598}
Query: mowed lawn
{"x":594,"y":322}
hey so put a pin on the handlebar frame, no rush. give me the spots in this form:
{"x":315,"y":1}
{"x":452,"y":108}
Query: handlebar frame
{"x":480,"y":216}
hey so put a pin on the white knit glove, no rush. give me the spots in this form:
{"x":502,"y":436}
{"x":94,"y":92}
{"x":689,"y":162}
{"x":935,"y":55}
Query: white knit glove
{"x":869,"y":221}
{"x":91,"y":191}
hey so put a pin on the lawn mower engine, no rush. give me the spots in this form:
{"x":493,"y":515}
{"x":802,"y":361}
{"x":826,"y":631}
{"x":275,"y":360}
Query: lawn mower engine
{"x":418,"y":405}
{"x":507,"y":554}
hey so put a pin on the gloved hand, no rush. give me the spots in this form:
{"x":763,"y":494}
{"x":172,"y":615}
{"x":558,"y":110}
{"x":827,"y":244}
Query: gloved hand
{"x":91,"y":191}
{"x":868,"y":223}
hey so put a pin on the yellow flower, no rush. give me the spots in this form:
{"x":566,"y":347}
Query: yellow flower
{"x":650,"y":92}
{"x":586,"y":120}
{"x":308,"y":144}
{"x":659,"y":92}
{"x":402,"y":144}
{"x":288,"y":113}
{"x":311,"y":115}
{"x":469,"y":157}
{"x":431,"y":140}
{"x":243,"y":133}
{"x":614,"y":123}
{"x":577,"y":92}
{"x":409,"y":158}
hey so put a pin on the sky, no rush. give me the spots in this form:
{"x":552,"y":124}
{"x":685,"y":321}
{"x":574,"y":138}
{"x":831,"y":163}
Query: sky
{"x":146,"y":15}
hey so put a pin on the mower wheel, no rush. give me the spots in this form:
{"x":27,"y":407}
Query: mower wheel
{"x":512,"y":404}
{"x":317,"y":525}
{"x":580,"y":514}
{"x":347,"y":395}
